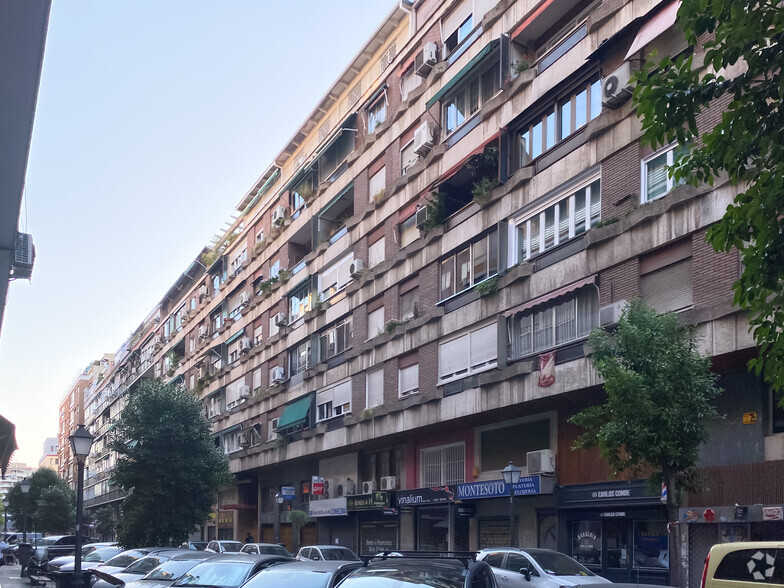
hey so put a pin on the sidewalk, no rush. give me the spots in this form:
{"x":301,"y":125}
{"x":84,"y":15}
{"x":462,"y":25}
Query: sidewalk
{"x":9,"y":577}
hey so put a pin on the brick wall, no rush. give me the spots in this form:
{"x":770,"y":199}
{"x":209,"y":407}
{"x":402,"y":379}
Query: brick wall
{"x":712,"y":273}
{"x":620,"y":178}
{"x":620,"y":282}
{"x":428,"y":367}
{"x":428,"y":287}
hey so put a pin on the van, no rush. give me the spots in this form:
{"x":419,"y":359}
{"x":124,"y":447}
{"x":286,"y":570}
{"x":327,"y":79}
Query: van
{"x":744,"y":565}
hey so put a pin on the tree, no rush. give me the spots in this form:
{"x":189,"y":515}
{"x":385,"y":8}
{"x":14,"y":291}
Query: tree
{"x":660,"y":394}
{"x":104,"y":523}
{"x":167,"y":462}
{"x":743,"y":62}
{"x":50,"y":504}
{"x":298,"y":518}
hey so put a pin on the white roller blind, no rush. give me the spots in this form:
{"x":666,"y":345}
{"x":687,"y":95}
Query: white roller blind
{"x":668,"y":288}
{"x":376,"y":253}
{"x":375,"y":322}
{"x":456,"y":17}
{"x":342,"y":393}
{"x":325,"y":396}
{"x":484,"y":346}
{"x":453,"y":358}
{"x":409,"y":378}
{"x":344,"y":274}
{"x":378,"y":181}
{"x":257,"y":333}
{"x":233,"y":392}
{"x":375,"y":388}
{"x":234,"y":346}
{"x":256,"y":378}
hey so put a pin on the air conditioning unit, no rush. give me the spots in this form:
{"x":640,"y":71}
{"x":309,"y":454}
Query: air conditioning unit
{"x":423,"y":138}
{"x":244,"y":298}
{"x":356,"y":267}
{"x":243,"y":439}
{"x":388,"y":483}
{"x":245,"y":344}
{"x":279,"y":319}
{"x":24,"y":256}
{"x":540,"y":462}
{"x":610,"y":315}
{"x":202,"y":373}
{"x":368,"y":487}
{"x":204,"y":331}
{"x":330,"y":488}
{"x":616,"y":88}
{"x":426,"y":59}
{"x":278,"y":215}
{"x":421,"y":217}
{"x":203,"y":291}
{"x":346,"y":489}
{"x":278,"y":375}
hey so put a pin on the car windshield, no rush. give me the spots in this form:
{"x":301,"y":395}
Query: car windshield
{"x":400,"y":576}
{"x":231,"y":546}
{"x":211,"y":574}
{"x":171,"y":570}
{"x":100,"y":554}
{"x":122,"y":560}
{"x":338,"y":554}
{"x":272,"y":550}
{"x":145,"y":564}
{"x":47,"y":541}
{"x":558,"y":564}
{"x":276,"y":577}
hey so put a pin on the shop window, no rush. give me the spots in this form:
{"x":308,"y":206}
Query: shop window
{"x":468,"y":354}
{"x":570,"y":215}
{"x":374,"y":388}
{"x":651,"y":549}
{"x":587,"y":542}
{"x":469,"y":266}
{"x":333,"y":401}
{"x":545,"y":327}
{"x":442,"y":465}
{"x":656,"y":178}
{"x":335,"y":339}
{"x":666,"y":278}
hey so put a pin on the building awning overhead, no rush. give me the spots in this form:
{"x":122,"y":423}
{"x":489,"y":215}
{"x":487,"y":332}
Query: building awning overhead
{"x":236,"y":336}
{"x":7,"y":443}
{"x":550,"y":296}
{"x":654,"y":27}
{"x":295,"y":412}
{"x":463,"y":72}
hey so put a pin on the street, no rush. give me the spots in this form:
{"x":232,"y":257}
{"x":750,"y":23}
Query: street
{"x":9,"y":577}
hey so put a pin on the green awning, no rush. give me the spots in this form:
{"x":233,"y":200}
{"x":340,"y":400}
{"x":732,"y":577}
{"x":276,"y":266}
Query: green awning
{"x":457,"y":78}
{"x":295,"y":412}
{"x":235,"y":336}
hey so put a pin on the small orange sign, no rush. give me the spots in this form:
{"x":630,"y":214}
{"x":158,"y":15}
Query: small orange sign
{"x":749,"y":418}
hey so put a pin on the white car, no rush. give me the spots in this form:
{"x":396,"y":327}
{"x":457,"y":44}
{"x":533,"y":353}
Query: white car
{"x":536,"y":568}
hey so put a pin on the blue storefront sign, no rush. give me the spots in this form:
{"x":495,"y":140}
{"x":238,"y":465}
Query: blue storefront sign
{"x":527,"y":485}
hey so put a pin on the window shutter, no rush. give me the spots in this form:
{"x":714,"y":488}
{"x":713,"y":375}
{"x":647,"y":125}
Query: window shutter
{"x":669,"y":288}
{"x":409,"y":378}
{"x":375,"y":388}
{"x":456,"y":17}
{"x":256,"y":379}
{"x":342,"y":393}
{"x":375,"y":322}
{"x":484,"y":346}
{"x":453,"y":358}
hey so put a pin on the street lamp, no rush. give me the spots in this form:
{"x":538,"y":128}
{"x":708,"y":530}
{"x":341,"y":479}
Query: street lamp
{"x":279,"y":498}
{"x":5,"y":516}
{"x":25,"y":487}
{"x":81,"y":441}
{"x":511,"y":477}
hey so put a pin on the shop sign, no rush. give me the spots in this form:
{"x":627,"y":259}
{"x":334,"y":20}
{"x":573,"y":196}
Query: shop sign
{"x":287,"y":492}
{"x":527,"y":485}
{"x":425,"y":496}
{"x":614,"y":493}
{"x":772,"y":513}
{"x":330,"y":507}
{"x":317,"y":486}
{"x":615,"y":514}
{"x":465,"y":511}
{"x":373,"y":501}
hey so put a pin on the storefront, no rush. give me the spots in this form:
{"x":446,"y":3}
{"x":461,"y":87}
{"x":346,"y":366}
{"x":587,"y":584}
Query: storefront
{"x":377,"y":521}
{"x":333,"y":525}
{"x":616,"y":529}
{"x":436,"y":526}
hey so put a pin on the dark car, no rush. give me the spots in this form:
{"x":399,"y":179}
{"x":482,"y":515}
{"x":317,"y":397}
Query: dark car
{"x":264,"y":549}
{"x":304,"y":574}
{"x":327,"y":553}
{"x":417,"y":570}
{"x":228,"y":570}
{"x":51,"y":547}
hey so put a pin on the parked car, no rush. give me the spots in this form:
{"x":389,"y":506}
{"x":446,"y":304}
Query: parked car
{"x":162,"y":575}
{"x":422,"y":569}
{"x":224,"y":546}
{"x":49,"y":548}
{"x":264,"y":549}
{"x":89,"y":561}
{"x":305,"y":574}
{"x":744,"y":564}
{"x":536,"y":568}
{"x":141,"y":566}
{"x":197,"y":545}
{"x":228,"y":570}
{"x":327,"y":553}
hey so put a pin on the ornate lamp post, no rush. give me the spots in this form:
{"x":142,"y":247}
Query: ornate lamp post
{"x":5,"y":516}
{"x":25,"y":487}
{"x":511,"y":477}
{"x":279,"y":500}
{"x":81,"y":441}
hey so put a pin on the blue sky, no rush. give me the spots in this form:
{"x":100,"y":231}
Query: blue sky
{"x":154,"y":118}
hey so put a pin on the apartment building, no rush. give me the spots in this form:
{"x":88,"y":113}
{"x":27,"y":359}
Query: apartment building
{"x":50,"y":457}
{"x":401,"y":306}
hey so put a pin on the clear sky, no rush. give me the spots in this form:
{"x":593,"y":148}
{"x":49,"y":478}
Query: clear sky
{"x":154,"y":118}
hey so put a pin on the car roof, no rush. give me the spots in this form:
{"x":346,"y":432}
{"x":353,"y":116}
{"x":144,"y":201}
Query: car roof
{"x":191,"y":554}
{"x":325,"y":547}
{"x":266,"y":545}
{"x":321,"y":565}
{"x":245,"y":557}
{"x":414,"y":562}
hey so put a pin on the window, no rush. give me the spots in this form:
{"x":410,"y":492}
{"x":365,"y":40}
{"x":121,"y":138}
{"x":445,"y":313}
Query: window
{"x":377,"y":183}
{"x":500,"y":444}
{"x":330,"y":164}
{"x":336,"y":277}
{"x":409,"y":304}
{"x":376,"y":252}
{"x":374,"y":388}
{"x":214,"y":405}
{"x":466,"y":101}
{"x":377,"y":113}
{"x":408,"y":156}
{"x":274,"y":328}
{"x":257,"y":335}
{"x":668,"y":288}
{"x":299,"y":195}
{"x":656,"y":180}
{"x":216,"y":320}
{"x":560,"y":120}
{"x":300,"y":300}
{"x":747,"y":565}
{"x":469,"y":266}
{"x":375,"y":322}
{"x":442,"y":466}
{"x":543,"y":328}
{"x":257,"y":380}
{"x":459,"y":35}
{"x":336,"y":339}
{"x":260,"y":236}
{"x":236,"y":263}
{"x":332,"y":219}
{"x":409,"y":81}
{"x":275,"y":269}
{"x":272,"y":427}
{"x":408,"y":380}
{"x":470,"y":353}
{"x":299,"y":358}
{"x":333,"y":401}
{"x":408,"y":231}
{"x":558,"y":222}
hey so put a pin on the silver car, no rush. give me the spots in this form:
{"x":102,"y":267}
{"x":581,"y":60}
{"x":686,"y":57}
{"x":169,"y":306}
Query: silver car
{"x":536,"y":568}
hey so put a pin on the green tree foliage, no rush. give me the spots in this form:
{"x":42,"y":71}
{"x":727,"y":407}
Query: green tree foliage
{"x":741,"y":63}
{"x":50,"y":505}
{"x":660,"y":397}
{"x":169,"y":464}
{"x":103,"y":520}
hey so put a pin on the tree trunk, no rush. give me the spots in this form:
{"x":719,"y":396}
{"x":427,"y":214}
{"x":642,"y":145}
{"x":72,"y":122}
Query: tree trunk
{"x":677,"y":573}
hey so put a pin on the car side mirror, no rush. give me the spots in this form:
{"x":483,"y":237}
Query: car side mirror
{"x":316,"y":558}
{"x":526,"y":572}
